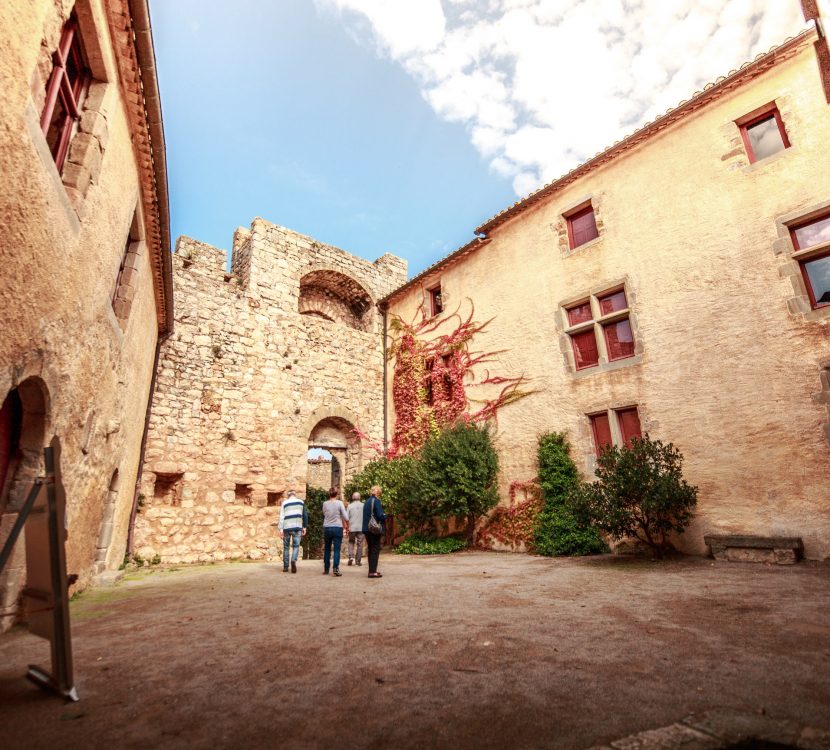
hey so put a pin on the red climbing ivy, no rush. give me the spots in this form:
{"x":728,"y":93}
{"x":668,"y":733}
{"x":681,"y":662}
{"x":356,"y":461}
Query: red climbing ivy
{"x":514,"y":525}
{"x":432,"y":376}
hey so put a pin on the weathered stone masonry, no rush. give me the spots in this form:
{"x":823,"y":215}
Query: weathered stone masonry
{"x":261,"y":365}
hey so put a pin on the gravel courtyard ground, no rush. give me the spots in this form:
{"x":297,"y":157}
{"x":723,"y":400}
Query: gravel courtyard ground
{"x":468,"y":650}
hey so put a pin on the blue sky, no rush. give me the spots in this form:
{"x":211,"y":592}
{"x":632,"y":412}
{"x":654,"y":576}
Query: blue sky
{"x":400,"y":125}
{"x":273,"y":110}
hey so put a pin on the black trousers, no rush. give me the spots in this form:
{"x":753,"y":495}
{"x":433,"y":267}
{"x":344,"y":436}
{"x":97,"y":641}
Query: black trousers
{"x":373,"y":541}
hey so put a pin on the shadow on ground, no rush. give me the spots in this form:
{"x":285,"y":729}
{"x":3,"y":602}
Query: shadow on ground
{"x":468,"y":650}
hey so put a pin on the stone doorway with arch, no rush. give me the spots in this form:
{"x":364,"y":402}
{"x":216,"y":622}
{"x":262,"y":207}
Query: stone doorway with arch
{"x":334,"y":451}
{"x":23,"y":427}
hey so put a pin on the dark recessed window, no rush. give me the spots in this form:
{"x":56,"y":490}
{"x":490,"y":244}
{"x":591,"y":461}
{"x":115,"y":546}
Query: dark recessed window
{"x":582,"y":227}
{"x":436,"y":303}
{"x":64,"y":92}
{"x":430,"y":366}
{"x":763,"y":133}
{"x":815,"y":267}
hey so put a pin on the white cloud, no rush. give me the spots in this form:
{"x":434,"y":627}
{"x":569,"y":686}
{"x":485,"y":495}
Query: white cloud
{"x":542,"y":85}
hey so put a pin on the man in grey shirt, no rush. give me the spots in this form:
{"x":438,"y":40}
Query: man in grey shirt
{"x":355,"y":529}
{"x":334,"y":515}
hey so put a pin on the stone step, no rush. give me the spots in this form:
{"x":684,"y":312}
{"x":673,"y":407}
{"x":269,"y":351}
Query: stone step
{"x":781,"y":550}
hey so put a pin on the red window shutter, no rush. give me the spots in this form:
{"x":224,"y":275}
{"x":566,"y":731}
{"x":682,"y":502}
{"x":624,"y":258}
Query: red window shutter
{"x":629,"y":424}
{"x":580,"y":313}
{"x":613,"y":302}
{"x":601,"y":428}
{"x":586,"y":353}
{"x":583,"y":227}
{"x":619,"y":339}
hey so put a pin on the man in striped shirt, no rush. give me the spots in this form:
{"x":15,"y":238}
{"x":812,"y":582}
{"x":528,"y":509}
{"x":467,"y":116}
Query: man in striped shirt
{"x":292,"y":525}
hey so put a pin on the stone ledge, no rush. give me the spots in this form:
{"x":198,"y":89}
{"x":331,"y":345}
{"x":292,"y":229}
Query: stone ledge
{"x":748,"y":548}
{"x":724,"y":728}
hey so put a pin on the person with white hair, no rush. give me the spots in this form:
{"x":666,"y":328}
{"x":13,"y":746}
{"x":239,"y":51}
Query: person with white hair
{"x":356,"y":537}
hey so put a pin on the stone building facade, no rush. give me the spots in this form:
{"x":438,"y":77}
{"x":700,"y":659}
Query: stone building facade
{"x":281,"y":354}
{"x":86,"y":287}
{"x":676,"y":284}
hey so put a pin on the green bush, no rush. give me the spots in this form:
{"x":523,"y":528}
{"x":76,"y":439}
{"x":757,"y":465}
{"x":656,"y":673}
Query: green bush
{"x":394,"y":476}
{"x":557,"y":530}
{"x":313,"y":540}
{"x":640,"y":492}
{"x":456,"y":475}
{"x":430,"y":545}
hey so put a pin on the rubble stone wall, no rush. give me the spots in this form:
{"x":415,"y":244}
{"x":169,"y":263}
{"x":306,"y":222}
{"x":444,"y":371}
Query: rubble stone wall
{"x":249,"y":379}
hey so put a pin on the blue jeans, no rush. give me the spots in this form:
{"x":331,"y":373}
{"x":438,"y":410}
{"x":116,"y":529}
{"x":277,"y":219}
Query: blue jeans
{"x":332,"y":535}
{"x":295,"y":535}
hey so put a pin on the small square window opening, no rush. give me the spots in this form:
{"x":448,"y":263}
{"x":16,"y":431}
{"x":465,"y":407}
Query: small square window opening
{"x":763,"y":134}
{"x":582,"y":227}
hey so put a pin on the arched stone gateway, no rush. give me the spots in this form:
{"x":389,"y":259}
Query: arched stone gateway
{"x":336,"y":435}
{"x":23,"y":421}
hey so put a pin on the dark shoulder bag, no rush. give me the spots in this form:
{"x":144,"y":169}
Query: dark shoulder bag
{"x":374,"y":526}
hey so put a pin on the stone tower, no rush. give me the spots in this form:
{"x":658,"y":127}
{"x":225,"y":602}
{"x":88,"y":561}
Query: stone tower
{"x":283,"y":353}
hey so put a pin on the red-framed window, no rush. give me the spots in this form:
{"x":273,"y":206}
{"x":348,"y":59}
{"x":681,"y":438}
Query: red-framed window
{"x":601,"y":428}
{"x":436,"y":302}
{"x":619,"y":338}
{"x":64,"y":92}
{"x":763,"y":133}
{"x":582,"y":226}
{"x":815,"y":267}
{"x":627,"y":422}
{"x":586,"y":352}
{"x":613,"y":321}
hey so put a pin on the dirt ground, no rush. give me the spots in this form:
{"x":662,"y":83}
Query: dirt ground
{"x":467,"y":650}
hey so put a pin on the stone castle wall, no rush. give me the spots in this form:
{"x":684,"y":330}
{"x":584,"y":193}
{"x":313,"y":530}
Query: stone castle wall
{"x":282,"y":353}
{"x":80,"y":364}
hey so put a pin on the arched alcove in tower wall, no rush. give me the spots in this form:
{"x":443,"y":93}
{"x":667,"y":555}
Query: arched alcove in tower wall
{"x":336,"y":297}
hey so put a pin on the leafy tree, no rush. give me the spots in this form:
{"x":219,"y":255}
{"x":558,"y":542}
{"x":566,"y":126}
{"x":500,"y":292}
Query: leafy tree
{"x":313,"y":540}
{"x":393,"y":475}
{"x":557,"y":530}
{"x":456,"y":476}
{"x":640,"y":492}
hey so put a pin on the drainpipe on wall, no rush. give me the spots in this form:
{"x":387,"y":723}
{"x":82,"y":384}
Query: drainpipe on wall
{"x":136,"y":492}
{"x":385,"y":398}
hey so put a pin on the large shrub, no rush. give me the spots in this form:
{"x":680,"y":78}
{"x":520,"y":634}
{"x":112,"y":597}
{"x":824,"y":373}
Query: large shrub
{"x":456,"y":475}
{"x":393,"y":475}
{"x":558,"y":531}
{"x":453,"y":476}
{"x":640,"y":492}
